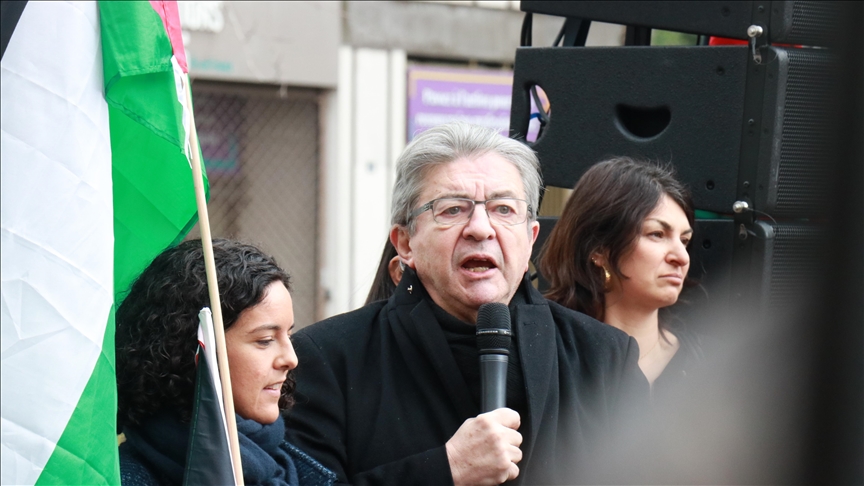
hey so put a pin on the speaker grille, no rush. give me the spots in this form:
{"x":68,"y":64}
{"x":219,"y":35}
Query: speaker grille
{"x":813,"y":23}
{"x":806,"y":138}
{"x":795,"y":264}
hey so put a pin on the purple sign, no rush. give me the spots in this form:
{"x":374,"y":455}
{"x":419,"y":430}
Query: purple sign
{"x":440,"y":95}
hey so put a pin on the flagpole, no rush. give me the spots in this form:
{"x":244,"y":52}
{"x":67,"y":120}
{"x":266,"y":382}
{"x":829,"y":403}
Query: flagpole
{"x":213,"y":287}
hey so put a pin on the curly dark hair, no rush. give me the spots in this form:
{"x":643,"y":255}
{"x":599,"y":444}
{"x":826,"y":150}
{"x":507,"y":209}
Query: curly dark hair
{"x":604,"y":213}
{"x":157,"y":323}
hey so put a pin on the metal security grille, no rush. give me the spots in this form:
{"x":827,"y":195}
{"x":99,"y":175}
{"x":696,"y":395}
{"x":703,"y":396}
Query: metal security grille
{"x":261,"y":151}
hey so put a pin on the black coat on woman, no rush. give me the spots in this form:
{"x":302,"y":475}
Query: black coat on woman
{"x":383,"y":388}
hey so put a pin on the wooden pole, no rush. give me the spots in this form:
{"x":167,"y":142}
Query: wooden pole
{"x":213,"y":287}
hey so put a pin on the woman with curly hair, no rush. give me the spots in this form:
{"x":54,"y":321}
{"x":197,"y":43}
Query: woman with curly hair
{"x":619,"y":254}
{"x":157,"y":337}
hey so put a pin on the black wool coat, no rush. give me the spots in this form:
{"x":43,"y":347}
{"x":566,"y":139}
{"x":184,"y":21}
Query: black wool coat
{"x":379,"y":392}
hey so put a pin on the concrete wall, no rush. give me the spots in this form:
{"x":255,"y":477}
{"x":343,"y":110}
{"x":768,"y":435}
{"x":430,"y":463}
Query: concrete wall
{"x":290,"y":43}
{"x":445,"y":30}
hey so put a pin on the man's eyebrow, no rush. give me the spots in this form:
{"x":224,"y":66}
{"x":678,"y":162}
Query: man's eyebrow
{"x":666,"y":226}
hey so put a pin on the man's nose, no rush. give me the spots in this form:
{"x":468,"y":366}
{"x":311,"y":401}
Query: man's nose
{"x":479,"y":227}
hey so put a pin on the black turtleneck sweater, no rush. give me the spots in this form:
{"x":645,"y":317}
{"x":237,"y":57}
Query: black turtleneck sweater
{"x":462,"y":339}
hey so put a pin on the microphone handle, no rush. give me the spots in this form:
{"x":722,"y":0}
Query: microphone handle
{"x":493,"y":378}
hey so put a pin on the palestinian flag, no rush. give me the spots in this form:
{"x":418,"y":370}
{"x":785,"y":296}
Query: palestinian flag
{"x":96,"y":181}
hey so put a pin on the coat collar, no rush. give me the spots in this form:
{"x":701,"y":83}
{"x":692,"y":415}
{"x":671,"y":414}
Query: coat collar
{"x":414,"y":325}
{"x":536,"y":338}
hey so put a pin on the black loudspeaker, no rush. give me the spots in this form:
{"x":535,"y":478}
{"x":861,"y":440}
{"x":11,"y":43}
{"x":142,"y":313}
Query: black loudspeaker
{"x":786,"y":263}
{"x":734,"y":129}
{"x":773,"y":267}
{"x":791,"y":22}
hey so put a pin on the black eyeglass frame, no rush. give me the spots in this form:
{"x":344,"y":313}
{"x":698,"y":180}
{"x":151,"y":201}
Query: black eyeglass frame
{"x":428,"y":206}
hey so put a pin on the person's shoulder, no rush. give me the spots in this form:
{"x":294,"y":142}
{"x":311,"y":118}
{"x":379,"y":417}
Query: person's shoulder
{"x":588,"y":343}
{"x":585,"y":328}
{"x":309,"y":471}
{"x":133,"y":470}
{"x":348,"y":326}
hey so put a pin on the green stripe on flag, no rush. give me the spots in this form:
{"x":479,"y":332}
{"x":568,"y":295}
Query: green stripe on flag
{"x":154,"y":198}
{"x":136,"y":59}
{"x":87,"y":451}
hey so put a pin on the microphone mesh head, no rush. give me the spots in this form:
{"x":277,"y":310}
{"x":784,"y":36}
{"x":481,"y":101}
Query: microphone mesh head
{"x":493,"y":316}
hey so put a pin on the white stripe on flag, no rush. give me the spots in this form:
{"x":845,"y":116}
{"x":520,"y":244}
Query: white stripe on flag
{"x":57,"y":227}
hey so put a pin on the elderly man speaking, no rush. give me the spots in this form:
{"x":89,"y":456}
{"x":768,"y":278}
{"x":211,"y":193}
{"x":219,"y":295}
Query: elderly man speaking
{"x":390,"y":393}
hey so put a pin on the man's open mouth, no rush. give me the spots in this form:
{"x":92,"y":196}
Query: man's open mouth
{"x":478,"y":265}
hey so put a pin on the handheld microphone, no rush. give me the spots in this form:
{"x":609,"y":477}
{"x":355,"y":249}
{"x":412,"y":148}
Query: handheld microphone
{"x":493,"y":343}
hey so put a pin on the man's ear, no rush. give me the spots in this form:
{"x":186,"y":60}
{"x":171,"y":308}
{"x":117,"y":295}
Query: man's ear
{"x":401,"y":241}
{"x":394,"y":268}
{"x":534,"y":231}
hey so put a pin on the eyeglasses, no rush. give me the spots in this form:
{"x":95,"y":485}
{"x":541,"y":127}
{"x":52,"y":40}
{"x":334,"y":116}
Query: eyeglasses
{"x":456,"y":210}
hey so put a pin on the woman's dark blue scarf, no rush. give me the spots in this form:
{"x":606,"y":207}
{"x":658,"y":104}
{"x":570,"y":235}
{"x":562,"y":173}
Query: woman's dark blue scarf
{"x":264,"y":461}
{"x":162,"y":442}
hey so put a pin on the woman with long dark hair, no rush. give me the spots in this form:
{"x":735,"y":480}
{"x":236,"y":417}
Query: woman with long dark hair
{"x":619,"y":254}
{"x":157,"y":337}
{"x":387,"y":276}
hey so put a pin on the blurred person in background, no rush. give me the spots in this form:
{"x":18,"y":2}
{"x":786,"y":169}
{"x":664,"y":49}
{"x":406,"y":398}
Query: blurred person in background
{"x":157,"y":339}
{"x":619,"y":254}
{"x":387,"y":276}
{"x":390,"y":393}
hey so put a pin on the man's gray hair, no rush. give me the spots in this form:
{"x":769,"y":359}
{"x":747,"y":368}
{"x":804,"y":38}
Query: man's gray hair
{"x":449,"y":142}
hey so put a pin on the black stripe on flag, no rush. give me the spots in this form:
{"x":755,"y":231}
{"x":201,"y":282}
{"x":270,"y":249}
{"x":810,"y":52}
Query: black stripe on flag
{"x":208,"y":460}
{"x":10,"y":13}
